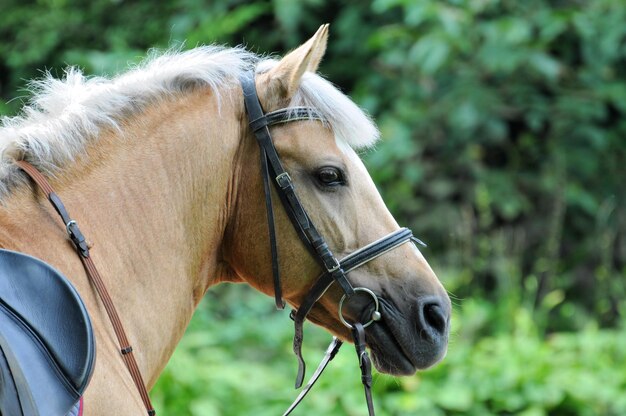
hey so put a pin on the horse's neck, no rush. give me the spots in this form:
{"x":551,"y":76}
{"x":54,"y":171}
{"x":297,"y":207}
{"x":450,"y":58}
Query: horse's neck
{"x":153,"y":201}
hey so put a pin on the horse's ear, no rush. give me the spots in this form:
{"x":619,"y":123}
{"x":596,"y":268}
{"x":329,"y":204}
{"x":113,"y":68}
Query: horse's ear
{"x":283,"y":80}
{"x":320,"y":49}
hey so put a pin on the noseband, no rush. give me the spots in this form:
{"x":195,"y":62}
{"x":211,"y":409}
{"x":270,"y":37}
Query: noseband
{"x":334,"y":270}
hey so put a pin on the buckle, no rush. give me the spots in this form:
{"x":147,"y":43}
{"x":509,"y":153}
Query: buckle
{"x":77,"y":238}
{"x":70,"y":227}
{"x":331,"y":268}
{"x":283,"y":180}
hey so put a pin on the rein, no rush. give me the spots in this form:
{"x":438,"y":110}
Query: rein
{"x":334,"y":270}
{"x":82,"y":249}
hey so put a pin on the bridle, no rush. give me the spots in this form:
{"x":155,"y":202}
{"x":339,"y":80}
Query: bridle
{"x":334,"y":270}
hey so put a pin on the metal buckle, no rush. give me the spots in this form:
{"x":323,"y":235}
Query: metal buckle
{"x":77,"y":237}
{"x":375,"y":315}
{"x":68,"y":227}
{"x":283,"y":180}
{"x":334,"y":267}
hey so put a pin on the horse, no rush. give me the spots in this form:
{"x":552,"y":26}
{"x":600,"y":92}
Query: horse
{"x":160,"y":167}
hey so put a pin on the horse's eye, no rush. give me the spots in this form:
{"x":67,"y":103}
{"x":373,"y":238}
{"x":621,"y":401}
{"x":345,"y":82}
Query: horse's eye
{"x":330,"y":176}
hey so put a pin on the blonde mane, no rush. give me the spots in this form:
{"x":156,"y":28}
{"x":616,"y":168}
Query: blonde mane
{"x":64,"y":115}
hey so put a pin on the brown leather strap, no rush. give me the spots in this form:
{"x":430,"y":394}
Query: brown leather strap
{"x":81,"y":246}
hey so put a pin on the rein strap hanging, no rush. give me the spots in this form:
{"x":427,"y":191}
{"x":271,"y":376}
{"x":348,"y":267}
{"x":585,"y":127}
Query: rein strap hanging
{"x":331,"y":351}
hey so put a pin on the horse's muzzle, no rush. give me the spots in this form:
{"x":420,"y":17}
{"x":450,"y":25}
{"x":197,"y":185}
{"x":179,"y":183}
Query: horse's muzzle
{"x":402,"y":343}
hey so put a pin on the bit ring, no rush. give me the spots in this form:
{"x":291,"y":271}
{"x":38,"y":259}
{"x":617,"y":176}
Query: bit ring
{"x":375,"y":314}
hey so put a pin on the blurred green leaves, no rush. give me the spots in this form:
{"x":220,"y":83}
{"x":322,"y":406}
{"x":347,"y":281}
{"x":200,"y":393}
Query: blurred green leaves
{"x":500,"y":119}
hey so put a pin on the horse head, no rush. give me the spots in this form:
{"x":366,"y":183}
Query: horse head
{"x":319,"y":154}
{"x":166,"y":159}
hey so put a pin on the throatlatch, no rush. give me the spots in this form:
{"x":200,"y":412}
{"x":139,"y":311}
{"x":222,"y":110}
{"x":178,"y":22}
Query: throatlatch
{"x":334,"y":270}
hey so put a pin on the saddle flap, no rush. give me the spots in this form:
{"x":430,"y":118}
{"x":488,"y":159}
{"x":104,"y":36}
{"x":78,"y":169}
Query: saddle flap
{"x":45,"y":335}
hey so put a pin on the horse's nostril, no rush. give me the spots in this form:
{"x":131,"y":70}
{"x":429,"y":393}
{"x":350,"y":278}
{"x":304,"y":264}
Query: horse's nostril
{"x":433,"y":316}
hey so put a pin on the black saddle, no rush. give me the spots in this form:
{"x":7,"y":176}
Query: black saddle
{"x":47,"y":346}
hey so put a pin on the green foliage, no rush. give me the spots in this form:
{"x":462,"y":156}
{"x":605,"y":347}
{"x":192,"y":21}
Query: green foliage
{"x":504,"y":127}
{"x":503,"y":148}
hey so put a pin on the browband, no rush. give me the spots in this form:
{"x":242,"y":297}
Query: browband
{"x":285,"y":115}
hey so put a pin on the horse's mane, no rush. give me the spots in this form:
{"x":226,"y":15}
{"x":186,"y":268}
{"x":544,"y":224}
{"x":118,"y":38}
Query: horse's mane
{"x":64,"y":115}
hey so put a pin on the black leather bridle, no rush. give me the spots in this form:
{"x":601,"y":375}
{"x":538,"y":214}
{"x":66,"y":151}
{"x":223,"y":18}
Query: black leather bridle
{"x":334,"y":270}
